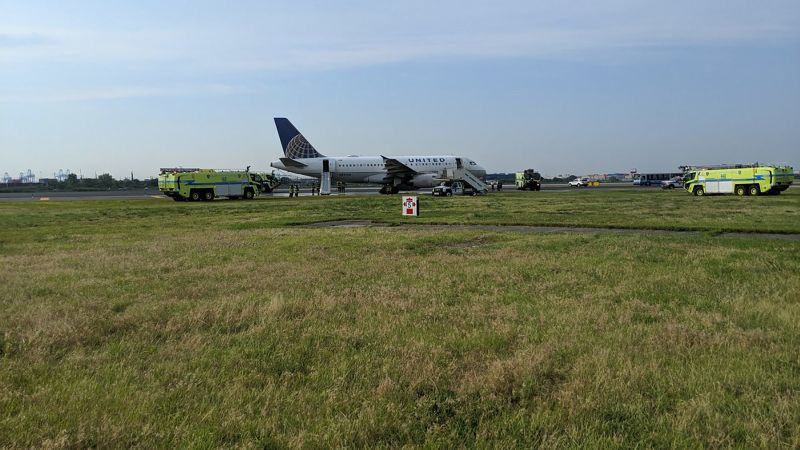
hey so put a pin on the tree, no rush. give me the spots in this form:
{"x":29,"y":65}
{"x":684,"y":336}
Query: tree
{"x":106,"y":180}
{"x":72,"y":179}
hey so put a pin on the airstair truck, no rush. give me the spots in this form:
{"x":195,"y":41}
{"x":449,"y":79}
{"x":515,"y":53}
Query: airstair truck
{"x":470,"y":183}
{"x":739,"y":179}
{"x":208,"y":184}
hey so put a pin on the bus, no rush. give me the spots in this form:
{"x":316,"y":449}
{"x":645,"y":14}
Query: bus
{"x":649,"y":179}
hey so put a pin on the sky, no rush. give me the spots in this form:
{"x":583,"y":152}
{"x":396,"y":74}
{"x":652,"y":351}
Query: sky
{"x":565,"y":87}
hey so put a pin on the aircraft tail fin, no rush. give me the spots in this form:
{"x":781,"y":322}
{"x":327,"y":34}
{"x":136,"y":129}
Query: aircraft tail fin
{"x":294,"y":144}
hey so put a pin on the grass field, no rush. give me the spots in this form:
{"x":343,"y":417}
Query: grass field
{"x":160,"y":324}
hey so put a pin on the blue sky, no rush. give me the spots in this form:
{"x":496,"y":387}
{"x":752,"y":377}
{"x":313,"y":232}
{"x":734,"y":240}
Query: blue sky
{"x":564,"y":87}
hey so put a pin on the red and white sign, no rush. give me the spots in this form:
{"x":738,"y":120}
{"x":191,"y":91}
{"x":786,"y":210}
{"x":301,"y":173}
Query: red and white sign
{"x":410,"y":206}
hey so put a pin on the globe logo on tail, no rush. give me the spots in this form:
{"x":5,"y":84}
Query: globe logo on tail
{"x":299,"y":147}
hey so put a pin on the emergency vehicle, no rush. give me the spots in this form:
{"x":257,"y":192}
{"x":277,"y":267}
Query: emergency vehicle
{"x":208,"y":184}
{"x":528,"y":179}
{"x":740,"y":180}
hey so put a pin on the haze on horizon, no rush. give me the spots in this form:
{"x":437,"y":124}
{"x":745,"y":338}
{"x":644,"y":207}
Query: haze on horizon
{"x":578,"y":87}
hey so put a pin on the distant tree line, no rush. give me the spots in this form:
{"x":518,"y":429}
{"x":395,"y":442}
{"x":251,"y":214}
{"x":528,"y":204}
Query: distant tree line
{"x":511,"y":177}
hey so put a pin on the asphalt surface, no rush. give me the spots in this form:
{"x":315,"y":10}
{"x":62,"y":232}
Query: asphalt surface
{"x":281,"y":191}
{"x":79,"y":195}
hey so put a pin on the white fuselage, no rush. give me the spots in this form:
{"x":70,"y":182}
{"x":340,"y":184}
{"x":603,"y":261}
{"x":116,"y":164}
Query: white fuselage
{"x":373,"y":169}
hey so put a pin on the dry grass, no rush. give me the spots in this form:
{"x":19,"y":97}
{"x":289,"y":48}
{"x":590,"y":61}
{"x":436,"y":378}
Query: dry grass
{"x":126,"y":333}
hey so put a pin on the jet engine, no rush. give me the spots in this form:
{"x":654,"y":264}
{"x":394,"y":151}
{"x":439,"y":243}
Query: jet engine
{"x":424,"y":180}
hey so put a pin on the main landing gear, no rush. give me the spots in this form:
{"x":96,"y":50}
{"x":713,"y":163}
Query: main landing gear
{"x":387,"y":189}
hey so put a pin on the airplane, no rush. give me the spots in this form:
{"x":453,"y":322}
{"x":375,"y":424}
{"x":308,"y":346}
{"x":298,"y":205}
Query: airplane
{"x":394,"y":173}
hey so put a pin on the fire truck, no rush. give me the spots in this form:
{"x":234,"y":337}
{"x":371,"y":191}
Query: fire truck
{"x":528,"y":179}
{"x":207,"y":184}
{"x":739,"y":179}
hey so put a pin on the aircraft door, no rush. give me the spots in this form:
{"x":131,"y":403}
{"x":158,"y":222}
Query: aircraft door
{"x":459,"y":164}
{"x":325,"y":179}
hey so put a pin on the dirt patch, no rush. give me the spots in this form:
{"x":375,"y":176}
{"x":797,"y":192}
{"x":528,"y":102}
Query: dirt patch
{"x":347,"y":224}
{"x":552,"y":229}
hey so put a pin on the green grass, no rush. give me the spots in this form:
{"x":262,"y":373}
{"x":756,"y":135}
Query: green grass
{"x":122,"y":325}
{"x":647,"y":209}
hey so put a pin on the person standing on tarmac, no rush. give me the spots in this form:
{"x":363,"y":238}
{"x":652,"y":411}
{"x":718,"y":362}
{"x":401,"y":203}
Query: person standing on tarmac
{"x":499,"y":186}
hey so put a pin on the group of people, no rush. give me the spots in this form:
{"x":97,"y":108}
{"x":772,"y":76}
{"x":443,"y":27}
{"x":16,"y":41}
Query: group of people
{"x":499,"y":185}
{"x":294,"y":189}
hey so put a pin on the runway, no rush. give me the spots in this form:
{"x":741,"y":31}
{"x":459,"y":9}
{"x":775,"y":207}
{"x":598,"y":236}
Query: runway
{"x":281,"y":191}
{"x":79,"y":195}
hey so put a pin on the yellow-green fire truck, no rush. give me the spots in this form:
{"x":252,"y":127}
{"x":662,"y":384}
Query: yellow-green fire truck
{"x":739,"y":180}
{"x":528,"y":179}
{"x":208,"y":184}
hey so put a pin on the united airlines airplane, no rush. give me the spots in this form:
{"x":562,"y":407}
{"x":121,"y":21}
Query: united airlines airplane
{"x":394,"y":173}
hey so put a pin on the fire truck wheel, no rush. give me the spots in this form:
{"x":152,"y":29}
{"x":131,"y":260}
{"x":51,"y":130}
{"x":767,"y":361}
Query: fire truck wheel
{"x":248,"y":194}
{"x":208,"y":195}
{"x":740,"y":191}
{"x":194,"y":196}
{"x":754,"y":190}
{"x":698,"y":191}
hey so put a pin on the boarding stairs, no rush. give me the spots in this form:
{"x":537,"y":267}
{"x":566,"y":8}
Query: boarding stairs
{"x":465,"y":176}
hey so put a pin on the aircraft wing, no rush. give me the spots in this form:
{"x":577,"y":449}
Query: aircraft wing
{"x":397,"y":169}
